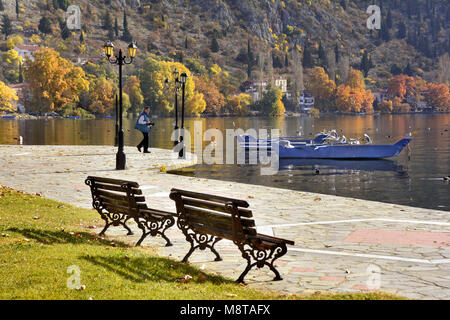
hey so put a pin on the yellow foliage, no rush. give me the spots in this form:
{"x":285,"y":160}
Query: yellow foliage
{"x":14,"y":41}
{"x":6,"y":96}
{"x":54,"y":81}
{"x":12,"y":57}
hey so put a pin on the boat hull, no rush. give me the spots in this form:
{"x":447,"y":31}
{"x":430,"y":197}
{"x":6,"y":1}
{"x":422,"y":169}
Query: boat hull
{"x":343,"y":151}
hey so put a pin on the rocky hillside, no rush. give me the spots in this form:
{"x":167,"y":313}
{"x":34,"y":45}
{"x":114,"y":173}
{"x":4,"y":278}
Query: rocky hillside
{"x":284,"y":37}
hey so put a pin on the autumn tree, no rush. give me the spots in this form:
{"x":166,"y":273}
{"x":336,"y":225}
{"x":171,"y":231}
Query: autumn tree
{"x":159,"y":95}
{"x":54,"y":81}
{"x":215,"y":100}
{"x":7,"y":28}
{"x":401,"y":86}
{"x":386,"y":106}
{"x":352,"y":96}
{"x":102,"y":97}
{"x":133,"y":89}
{"x":438,"y":96}
{"x":7,"y":95}
{"x":271,"y":104}
{"x":322,"y":88}
{"x":239,"y":105}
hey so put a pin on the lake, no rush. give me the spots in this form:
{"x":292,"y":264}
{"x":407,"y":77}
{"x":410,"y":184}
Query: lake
{"x":413,"y":178}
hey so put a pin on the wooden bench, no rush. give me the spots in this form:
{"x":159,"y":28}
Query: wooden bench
{"x":205,"y":220}
{"x":118,"y":201}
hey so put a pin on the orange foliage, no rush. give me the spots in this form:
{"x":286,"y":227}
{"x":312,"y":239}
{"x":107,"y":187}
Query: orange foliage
{"x":438,"y":96}
{"x":215,"y":100}
{"x":321,"y":87}
{"x":352,"y":96}
{"x":401,"y":86}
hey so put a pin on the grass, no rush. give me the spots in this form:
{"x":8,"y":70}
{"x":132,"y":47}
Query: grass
{"x":40,"y":239}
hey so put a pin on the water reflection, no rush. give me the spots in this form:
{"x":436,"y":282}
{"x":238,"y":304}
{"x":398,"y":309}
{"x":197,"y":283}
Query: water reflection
{"x":416,"y":182}
{"x":319,"y":165}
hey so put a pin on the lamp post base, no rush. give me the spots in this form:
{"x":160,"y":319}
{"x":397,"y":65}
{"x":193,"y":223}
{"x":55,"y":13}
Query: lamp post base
{"x":121,"y":160}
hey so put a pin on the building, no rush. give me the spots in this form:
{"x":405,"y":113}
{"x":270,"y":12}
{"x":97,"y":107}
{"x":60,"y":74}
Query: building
{"x":380,"y":94}
{"x":254,"y":88}
{"x":26,"y":51}
{"x":306,"y":101}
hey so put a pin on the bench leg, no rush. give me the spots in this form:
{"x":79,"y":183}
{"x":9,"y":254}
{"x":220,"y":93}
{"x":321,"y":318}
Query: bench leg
{"x":203,"y":244}
{"x":154,"y":229}
{"x":262,"y":258}
{"x":115,"y":220}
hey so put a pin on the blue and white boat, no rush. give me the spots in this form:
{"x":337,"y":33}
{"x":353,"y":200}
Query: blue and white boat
{"x":325,"y":146}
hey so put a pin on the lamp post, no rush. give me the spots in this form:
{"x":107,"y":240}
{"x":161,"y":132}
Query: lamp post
{"x":116,"y":134}
{"x":177,"y":90}
{"x":120,"y":60}
{"x":183,"y":79}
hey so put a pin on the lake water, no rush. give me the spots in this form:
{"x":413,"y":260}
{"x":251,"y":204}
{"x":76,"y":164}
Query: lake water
{"x":415,"y":180}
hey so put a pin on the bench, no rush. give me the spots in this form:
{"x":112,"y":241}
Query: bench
{"x":205,"y":220}
{"x":118,"y":201}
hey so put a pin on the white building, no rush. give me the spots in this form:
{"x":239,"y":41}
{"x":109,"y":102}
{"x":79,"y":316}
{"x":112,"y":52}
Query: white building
{"x":26,"y":51}
{"x":306,"y":101}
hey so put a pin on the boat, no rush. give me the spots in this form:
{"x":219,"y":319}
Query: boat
{"x":8,"y":117}
{"x":325,"y":146}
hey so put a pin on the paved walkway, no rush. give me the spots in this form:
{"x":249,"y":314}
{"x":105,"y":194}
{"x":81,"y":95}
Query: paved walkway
{"x":342,"y":244}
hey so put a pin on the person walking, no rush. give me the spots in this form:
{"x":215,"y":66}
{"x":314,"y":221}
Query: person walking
{"x":143,"y":124}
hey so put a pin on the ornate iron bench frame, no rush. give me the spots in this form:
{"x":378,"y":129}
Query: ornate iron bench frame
{"x":259,"y":250}
{"x":118,"y":201}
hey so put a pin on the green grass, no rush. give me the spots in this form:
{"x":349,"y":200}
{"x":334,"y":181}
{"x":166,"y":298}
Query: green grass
{"x":40,"y":239}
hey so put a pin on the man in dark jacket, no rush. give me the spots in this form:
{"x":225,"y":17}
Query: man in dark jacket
{"x":143,"y":124}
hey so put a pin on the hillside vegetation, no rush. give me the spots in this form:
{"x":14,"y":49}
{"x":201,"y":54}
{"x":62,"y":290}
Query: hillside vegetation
{"x":226,"y":42}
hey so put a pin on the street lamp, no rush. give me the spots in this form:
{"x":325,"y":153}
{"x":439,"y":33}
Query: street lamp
{"x":183,"y":79}
{"x":120,"y":60}
{"x":177,"y":90}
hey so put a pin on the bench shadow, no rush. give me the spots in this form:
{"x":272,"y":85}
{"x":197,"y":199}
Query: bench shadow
{"x":142,"y":269}
{"x":63,"y":237}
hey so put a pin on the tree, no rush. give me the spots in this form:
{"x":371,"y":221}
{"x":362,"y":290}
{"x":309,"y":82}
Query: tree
{"x":7,"y":28}
{"x":366,"y":63}
{"x":133,"y":89}
{"x":45,"y":25}
{"x":126,"y":36}
{"x":308,"y":61}
{"x":401,"y":86}
{"x":322,"y":88}
{"x":215,"y":101}
{"x":116,"y":28}
{"x":17,"y":9}
{"x":54,"y":81}
{"x":271,"y":104}
{"x":386,"y":106}
{"x":102,"y":97}
{"x":159,"y":95}
{"x":7,"y":95}
{"x":239,"y":105}
{"x":214,"y":45}
{"x":251,"y":61}
{"x":438,"y":96}
{"x":352,"y":96}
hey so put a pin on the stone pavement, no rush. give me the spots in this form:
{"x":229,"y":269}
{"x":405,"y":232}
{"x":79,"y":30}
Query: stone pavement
{"x":342,"y":244}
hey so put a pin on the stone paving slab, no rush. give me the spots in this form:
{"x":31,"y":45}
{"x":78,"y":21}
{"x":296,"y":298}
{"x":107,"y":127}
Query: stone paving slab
{"x":320,"y":260}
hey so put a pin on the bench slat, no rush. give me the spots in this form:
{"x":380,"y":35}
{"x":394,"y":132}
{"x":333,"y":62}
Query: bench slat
{"x":216,"y":217}
{"x":114,"y":181}
{"x":214,"y":206}
{"x":207,"y":197}
{"x":119,"y":197}
{"x":111,"y":187}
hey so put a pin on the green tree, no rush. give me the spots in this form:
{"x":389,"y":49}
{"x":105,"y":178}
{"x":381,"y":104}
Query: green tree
{"x":126,"y":36}
{"x":271,"y":104}
{"x":45,"y":25}
{"x":7,"y":28}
